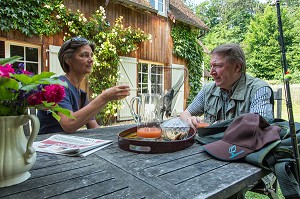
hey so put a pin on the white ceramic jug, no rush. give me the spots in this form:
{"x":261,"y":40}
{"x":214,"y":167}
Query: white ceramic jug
{"x":17,"y":156}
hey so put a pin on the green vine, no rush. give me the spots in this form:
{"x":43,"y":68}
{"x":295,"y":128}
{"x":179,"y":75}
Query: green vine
{"x":50,"y":17}
{"x":187,"y":47}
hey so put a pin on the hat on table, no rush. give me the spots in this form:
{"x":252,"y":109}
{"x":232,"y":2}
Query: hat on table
{"x":246,"y":134}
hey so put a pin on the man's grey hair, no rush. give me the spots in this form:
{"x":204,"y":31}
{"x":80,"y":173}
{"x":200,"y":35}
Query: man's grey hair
{"x":233,"y":53}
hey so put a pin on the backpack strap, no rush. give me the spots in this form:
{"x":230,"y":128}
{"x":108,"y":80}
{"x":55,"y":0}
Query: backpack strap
{"x":286,"y":179}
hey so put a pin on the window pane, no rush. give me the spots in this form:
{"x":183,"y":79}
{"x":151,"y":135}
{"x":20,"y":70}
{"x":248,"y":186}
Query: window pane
{"x":17,"y":50}
{"x":32,"y":67}
{"x":160,"y":5}
{"x":152,"y":2}
{"x":145,"y":78}
{"x":2,"y":49}
{"x":16,"y":65}
{"x":145,"y":68}
{"x":31,"y":54}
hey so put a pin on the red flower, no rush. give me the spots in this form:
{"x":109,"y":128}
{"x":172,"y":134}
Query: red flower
{"x":35,"y":99}
{"x":54,"y":93}
{"x":6,"y":70}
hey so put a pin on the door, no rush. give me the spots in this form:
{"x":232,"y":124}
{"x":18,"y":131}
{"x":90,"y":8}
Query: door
{"x":128,"y":72}
{"x":54,"y":65}
{"x":178,"y":78}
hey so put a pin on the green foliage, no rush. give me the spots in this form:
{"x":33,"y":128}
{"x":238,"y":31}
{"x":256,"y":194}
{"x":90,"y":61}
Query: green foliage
{"x":254,"y":26}
{"x":110,"y":43}
{"x":35,"y":17}
{"x":31,"y":17}
{"x":186,"y":46}
{"x":262,"y":48}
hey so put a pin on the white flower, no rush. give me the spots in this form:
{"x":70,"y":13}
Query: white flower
{"x":102,"y":9}
{"x":149,"y":37}
{"x":84,"y":19}
{"x":70,"y":23}
{"x":57,"y":17}
{"x":61,"y":6}
{"x":124,"y":39}
{"x":47,"y":6}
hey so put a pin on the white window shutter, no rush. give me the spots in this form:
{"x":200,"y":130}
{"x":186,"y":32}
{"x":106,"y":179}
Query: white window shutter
{"x":178,"y":100}
{"x":128,"y":72}
{"x":54,"y":65}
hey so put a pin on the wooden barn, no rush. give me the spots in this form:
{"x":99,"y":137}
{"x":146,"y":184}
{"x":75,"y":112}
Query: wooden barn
{"x":152,"y":67}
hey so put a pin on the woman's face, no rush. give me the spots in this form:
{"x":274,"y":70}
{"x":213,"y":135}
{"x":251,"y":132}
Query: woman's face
{"x":225,"y":74}
{"x":82,"y":60}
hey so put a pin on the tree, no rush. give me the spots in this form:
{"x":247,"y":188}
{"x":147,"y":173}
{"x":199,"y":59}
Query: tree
{"x":263,"y":51}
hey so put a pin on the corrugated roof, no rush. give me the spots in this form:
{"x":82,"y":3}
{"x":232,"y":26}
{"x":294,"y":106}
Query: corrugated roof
{"x":177,"y":10}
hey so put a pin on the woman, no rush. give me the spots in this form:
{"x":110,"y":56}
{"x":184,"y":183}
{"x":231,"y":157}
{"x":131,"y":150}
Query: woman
{"x":76,"y":60}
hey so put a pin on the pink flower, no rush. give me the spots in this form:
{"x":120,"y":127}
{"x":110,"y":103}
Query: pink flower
{"x":26,"y":72}
{"x":35,"y":99}
{"x":6,"y":70}
{"x":54,"y":93}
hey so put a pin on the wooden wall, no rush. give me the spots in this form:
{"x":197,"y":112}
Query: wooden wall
{"x":159,"y":50}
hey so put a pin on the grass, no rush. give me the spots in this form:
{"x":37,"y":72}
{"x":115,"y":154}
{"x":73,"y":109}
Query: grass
{"x":252,"y":195}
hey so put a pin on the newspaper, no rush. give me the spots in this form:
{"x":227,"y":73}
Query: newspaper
{"x":70,"y":145}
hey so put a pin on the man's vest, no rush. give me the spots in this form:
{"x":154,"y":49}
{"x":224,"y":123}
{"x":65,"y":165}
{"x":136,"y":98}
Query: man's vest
{"x":239,"y":102}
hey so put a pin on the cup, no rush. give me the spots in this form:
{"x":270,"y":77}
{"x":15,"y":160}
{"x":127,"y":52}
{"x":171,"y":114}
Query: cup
{"x":147,"y":115}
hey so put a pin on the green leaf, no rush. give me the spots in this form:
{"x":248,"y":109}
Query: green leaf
{"x":9,"y":83}
{"x":64,"y":111}
{"x":23,"y":78}
{"x":9,"y":60}
{"x":29,"y":87}
{"x":52,"y":81}
{"x":57,"y":117}
{"x":6,"y":94}
{"x":42,"y":76}
{"x":4,"y":110}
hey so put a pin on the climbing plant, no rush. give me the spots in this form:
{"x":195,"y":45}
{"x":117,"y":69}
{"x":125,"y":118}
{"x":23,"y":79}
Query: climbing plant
{"x":51,"y":16}
{"x":186,"y":46}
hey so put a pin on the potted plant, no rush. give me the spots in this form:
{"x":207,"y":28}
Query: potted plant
{"x":21,"y":90}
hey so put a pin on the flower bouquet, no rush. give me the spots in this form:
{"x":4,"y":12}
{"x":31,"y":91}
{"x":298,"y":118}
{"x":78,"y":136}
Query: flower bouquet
{"x":21,"y":90}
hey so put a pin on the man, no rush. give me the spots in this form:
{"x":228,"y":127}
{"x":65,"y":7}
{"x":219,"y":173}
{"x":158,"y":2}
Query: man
{"x":232,"y":93}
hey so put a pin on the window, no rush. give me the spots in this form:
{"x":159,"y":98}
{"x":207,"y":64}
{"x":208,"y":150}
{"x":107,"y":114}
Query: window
{"x":31,"y":55}
{"x":150,"y":78}
{"x":158,"y":5}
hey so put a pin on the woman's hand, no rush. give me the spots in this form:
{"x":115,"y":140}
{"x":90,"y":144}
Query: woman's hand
{"x":116,"y":93}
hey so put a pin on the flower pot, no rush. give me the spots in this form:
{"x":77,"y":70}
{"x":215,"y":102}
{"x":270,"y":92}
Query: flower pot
{"x":17,"y":156}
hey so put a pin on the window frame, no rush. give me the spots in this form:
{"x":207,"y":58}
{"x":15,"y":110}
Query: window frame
{"x":156,"y":2}
{"x":149,"y":76}
{"x":7,"y":48}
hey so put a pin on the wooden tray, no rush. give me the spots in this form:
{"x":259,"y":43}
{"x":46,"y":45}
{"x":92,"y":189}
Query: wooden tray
{"x":153,"y":146}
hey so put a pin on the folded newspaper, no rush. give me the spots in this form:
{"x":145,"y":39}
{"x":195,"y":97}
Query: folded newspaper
{"x":70,"y":145}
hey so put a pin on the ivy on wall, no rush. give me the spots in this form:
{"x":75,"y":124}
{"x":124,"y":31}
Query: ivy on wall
{"x":49,"y":17}
{"x":187,"y":47}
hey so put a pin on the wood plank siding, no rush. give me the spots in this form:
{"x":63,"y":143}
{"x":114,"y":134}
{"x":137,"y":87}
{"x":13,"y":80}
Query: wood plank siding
{"x":160,"y":50}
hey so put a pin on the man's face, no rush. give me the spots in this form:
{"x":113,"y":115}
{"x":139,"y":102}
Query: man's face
{"x":225,"y":74}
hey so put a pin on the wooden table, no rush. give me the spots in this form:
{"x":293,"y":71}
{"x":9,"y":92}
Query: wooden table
{"x":114,"y":173}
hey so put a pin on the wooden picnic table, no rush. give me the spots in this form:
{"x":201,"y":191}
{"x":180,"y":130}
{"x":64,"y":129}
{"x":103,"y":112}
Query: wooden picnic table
{"x":114,"y":173}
